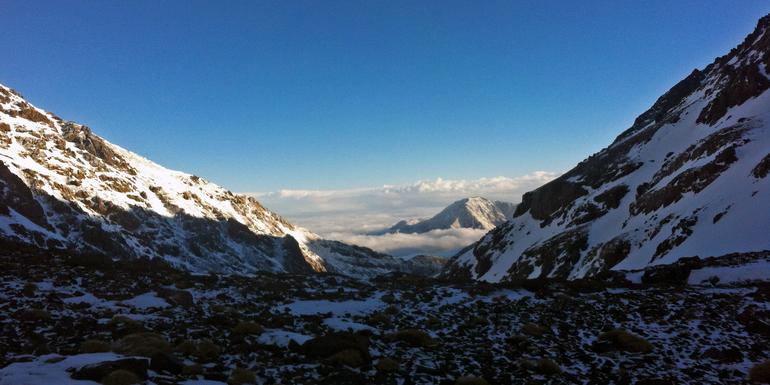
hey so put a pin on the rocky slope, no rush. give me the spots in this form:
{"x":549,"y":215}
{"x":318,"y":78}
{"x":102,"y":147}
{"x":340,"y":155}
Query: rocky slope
{"x":63,"y":187}
{"x":74,"y":320}
{"x":469,"y":213}
{"x":688,"y":178}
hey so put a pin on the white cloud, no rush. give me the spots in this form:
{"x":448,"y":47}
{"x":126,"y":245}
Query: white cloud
{"x":437,"y":242}
{"x":348,"y":214}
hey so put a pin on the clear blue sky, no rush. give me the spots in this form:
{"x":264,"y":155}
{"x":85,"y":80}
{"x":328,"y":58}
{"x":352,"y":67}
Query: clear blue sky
{"x":259,"y":95}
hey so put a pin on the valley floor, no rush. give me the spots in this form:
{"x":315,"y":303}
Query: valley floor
{"x":73,"y":320}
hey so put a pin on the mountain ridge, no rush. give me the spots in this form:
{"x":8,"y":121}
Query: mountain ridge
{"x":64,"y":187}
{"x":675,"y":184}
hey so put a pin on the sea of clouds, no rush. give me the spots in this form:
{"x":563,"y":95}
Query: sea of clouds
{"x":349,"y":215}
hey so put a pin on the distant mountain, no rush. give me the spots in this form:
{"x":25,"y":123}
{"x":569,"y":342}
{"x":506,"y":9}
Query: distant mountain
{"x":689,"y":178}
{"x":468,"y":213}
{"x":64,"y":187}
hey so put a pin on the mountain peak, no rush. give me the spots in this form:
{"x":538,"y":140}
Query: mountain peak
{"x":472,"y":213}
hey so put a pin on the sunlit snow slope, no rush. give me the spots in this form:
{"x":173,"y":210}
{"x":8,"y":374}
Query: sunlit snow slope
{"x":63,"y":187}
{"x":689,"y":178}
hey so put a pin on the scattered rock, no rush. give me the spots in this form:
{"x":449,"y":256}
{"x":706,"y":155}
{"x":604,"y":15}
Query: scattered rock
{"x":96,"y":372}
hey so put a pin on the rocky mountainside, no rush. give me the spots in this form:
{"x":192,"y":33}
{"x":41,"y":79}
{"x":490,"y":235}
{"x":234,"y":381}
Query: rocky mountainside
{"x":469,"y":213}
{"x":689,"y":178}
{"x":63,"y":187}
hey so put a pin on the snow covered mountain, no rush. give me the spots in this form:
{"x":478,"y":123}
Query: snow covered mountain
{"x":688,"y":178}
{"x":469,"y":213}
{"x":63,"y":187}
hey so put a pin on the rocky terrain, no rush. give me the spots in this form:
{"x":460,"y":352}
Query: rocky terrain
{"x":64,"y":187}
{"x":689,"y":178}
{"x":468,"y":213}
{"x":75,"y":319}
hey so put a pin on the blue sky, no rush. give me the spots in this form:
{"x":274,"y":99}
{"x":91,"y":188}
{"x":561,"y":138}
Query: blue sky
{"x":261,"y":96}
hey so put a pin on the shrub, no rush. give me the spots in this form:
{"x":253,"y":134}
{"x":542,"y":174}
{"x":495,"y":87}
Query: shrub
{"x":94,"y":346}
{"x":347,"y":357}
{"x":433,"y":322}
{"x":760,"y":373}
{"x":471,"y":380}
{"x":533,"y":329}
{"x":192,"y":370}
{"x":392,"y":310}
{"x":141,"y":344}
{"x":546,"y":366}
{"x":379,"y":319}
{"x":122,"y":325}
{"x":240,"y":376}
{"x":207,"y":350}
{"x":412,"y":337}
{"x":187,"y":348}
{"x":387,"y":365}
{"x":121,"y":377}
{"x":29,"y":289}
{"x":330,"y":344}
{"x":623,"y":340}
{"x":388,"y":298}
{"x":35,"y":315}
{"x":248,"y":328}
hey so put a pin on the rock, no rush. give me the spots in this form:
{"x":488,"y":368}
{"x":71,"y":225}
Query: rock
{"x":673,"y":274}
{"x":163,"y":362}
{"x":96,"y":372}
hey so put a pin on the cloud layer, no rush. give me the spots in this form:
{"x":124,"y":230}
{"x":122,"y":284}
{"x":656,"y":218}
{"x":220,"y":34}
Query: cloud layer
{"x":348,"y":214}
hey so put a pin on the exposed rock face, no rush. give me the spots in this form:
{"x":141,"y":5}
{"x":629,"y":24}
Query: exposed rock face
{"x":64,"y":187}
{"x":688,"y":178}
{"x":469,"y":213}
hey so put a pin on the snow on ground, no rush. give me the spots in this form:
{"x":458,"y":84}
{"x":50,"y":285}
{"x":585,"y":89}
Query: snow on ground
{"x":342,"y":324}
{"x":51,"y":369}
{"x":146,"y":301}
{"x":338,"y":308}
{"x":281,"y":337}
{"x":732,"y":274}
